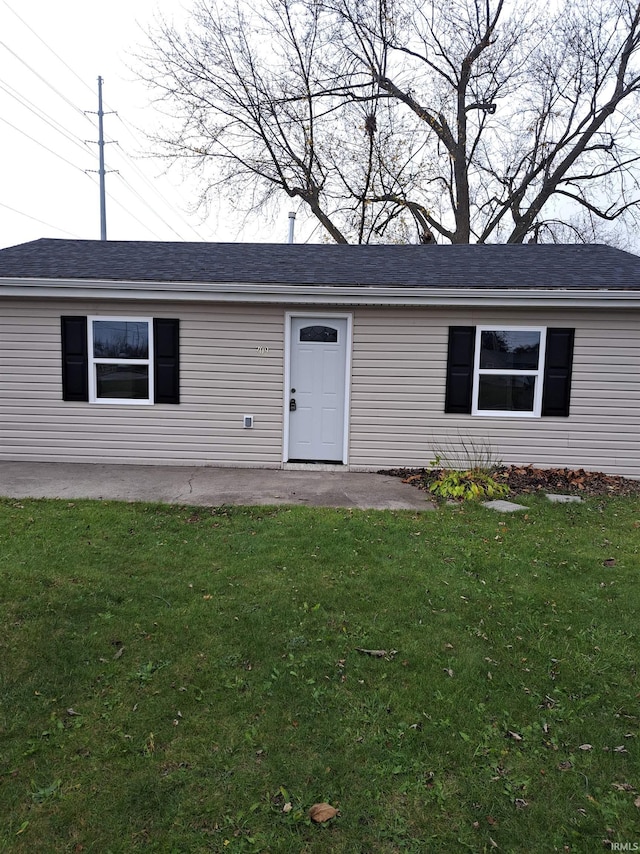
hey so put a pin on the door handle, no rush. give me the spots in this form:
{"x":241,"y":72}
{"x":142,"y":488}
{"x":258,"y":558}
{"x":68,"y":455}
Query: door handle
{"x":292,"y":405}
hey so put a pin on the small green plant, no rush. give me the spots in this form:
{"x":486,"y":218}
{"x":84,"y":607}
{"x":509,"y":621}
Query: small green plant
{"x":146,"y":671}
{"x":465,"y":471}
{"x":467,"y":485}
{"x":39,"y":796}
{"x":464,"y":453}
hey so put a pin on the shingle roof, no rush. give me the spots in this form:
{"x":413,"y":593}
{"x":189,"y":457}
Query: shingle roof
{"x":486,"y":266}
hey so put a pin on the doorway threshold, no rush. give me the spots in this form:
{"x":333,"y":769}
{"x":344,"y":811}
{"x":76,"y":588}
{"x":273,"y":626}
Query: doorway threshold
{"x":313,"y":465}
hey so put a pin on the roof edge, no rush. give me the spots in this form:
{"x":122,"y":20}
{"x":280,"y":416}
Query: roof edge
{"x":241,"y":292}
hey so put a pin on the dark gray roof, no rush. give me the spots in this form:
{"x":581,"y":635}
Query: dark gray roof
{"x":486,"y":266}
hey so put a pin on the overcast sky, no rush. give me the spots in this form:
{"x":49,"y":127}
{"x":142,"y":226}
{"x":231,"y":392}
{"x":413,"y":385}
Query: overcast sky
{"x":51,"y":54}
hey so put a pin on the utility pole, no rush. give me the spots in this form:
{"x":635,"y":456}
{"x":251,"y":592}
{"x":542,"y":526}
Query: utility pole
{"x":101,"y":169}
{"x":103,"y":204}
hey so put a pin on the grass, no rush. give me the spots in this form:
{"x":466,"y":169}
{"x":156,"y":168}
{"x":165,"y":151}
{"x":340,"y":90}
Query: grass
{"x":178,"y":679}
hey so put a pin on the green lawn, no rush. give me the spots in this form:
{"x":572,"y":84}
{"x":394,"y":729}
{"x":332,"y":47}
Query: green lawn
{"x":180,"y":679}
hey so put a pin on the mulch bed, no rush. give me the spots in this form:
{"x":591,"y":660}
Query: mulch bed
{"x":523,"y":480}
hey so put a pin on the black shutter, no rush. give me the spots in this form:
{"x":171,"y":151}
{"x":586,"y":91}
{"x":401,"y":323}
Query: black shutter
{"x":75,"y":373}
{"x":557,"y":372}
{"x":462,"y":342}
{"x":166,"y":360}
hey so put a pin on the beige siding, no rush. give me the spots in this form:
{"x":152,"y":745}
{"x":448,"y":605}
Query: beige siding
{"x":397,"y":391}
{"x":398,"y":385}
{"x":223,"y":377}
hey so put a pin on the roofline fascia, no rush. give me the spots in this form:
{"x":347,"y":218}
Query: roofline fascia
{"x":280,"y":293}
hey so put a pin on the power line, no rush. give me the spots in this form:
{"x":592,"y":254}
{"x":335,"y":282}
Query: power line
{"x":40,"y":114}
{"x":157,"y":192}
{"x":35,"y":219}
{"x":41,"y":144}
{"x":59,"y":128}
{"x":146,"y":204}
{"x":48,"y":46}
{"x":69,"y":163}
{"x":44,"y":80}
{"x":133,"y":216}
{"x":125,"y":124}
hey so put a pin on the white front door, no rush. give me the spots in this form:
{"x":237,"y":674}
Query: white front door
{"x":317,"y":389}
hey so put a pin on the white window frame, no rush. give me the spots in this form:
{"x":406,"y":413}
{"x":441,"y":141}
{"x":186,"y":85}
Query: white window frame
{"x":127,"y":401}
{"x":536,"y":412}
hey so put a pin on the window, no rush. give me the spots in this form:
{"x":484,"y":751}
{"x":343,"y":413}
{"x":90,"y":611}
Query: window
{"x":509,"y":371}
{"x":120,"y":360}
{"x":319,"y":334}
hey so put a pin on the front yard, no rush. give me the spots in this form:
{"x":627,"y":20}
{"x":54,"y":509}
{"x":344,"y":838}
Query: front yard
{"x":180,"y":679}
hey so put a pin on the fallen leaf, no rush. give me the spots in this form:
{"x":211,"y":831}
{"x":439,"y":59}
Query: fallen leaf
{"x":377,"y":653}
{"x":287,"y":807}
{"x":610,"y":561}
{"x":73,"y":713}
{"x":119,"y":653}
{"x":623,"y":787}
{"x":636,"y":803}
{"x":514,"y":735}
{"x":521,"y":803}
{"x":322,"y":812}
{"x":586,"y":747}
{"x":448,"y":671}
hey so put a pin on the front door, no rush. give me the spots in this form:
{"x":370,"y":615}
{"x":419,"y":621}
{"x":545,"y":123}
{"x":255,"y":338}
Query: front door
{"x":317,"y":385}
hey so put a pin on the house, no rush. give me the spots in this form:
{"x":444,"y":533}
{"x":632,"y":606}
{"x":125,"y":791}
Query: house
{"x":280,"y":355}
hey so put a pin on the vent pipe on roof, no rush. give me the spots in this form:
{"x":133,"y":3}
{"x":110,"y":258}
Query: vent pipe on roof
{"x":292,"y":224}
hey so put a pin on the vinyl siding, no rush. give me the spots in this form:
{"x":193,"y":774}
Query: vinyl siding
{"x":397,"y":391}
{"x":398,"y":386}
{"x":223,"y":376}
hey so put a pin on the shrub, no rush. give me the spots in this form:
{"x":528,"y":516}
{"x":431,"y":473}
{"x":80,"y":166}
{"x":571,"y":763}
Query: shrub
{"x":467,"y":485}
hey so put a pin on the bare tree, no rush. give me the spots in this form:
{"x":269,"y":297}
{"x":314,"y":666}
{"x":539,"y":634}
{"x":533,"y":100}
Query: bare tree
{"x":395,"y":120}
